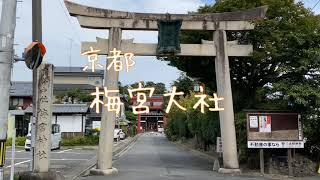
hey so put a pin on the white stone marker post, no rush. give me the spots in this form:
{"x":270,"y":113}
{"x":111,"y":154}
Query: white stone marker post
{"x":43,"y":125}
{"x":105,"y":153}
{"x":228,"y":134}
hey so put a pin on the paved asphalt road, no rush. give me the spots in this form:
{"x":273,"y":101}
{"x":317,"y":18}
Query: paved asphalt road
{"x":68,"y":161}
{"x":64,"y":161}
{"x":153,"y":157}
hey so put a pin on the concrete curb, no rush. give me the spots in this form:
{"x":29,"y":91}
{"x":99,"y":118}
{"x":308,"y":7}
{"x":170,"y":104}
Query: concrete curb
{"x":92,"y":163}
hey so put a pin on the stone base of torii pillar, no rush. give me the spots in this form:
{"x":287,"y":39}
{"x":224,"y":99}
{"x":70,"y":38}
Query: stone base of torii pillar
{"x":229,"y":171}
{"x":104,"y":172}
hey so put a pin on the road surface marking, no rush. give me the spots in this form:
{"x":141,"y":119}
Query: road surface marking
{"x":16,"y":164}
{"x":19,"y":163}
{"x":64,"y":151}
{"x":73,"y":153}
{"x":69,"y":159}
{"x":15,"y":151}
{"x":18,"y":158}
{"x":52,"y":159}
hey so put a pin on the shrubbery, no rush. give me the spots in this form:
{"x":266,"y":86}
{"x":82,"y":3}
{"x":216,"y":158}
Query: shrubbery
{"x":19,"y":141}
{"x":81,"y":141}
{"x":192,"y":123}
{"x":133,"y":131}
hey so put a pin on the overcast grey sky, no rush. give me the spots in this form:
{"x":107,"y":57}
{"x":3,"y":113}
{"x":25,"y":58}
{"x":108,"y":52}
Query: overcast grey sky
{"x":59,"y":30}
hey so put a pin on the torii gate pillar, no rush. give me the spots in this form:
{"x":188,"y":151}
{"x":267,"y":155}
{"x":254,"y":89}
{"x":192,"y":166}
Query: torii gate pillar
{"x":105,"y":152}
{"x":228,"y":133}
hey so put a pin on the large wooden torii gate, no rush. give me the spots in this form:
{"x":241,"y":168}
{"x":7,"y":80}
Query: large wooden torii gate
{"x":220,"y":48}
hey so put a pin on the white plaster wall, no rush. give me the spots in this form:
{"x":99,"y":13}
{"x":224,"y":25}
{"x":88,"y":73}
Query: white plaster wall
{"x":69,"y":123}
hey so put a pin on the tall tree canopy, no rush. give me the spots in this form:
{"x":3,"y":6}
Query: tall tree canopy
{"x":74,"y":95}
{"x":285,"y":58}
{"x":283,"y":71}
{"x":160,"y":88}
{"x":184,"y":84}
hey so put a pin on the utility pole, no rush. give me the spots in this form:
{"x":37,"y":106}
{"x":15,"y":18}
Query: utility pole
{"x":7,"y":28}
{"x":36,"y":36}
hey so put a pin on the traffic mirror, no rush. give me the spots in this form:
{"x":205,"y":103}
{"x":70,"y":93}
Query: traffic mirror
{"x":34,"y":54}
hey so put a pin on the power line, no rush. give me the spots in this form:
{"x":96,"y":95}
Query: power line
{"x":316,"y":4}
{"x":68,"y":17}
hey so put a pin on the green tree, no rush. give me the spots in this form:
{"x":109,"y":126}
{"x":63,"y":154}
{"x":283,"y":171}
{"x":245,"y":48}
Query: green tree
{"x":184,"y":84}
{"x":60,"y":97}
{"x":131,"y":117}
{"x":286,"y":53}
{"x":160,"y":88}
{"x":283,"y":69}
{"x":85,"y":97}
{"x":73,"y":94}
{"x":192,"y":123}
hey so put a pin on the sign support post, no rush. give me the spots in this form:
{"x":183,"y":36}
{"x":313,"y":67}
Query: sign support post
{"x":290,"y":162}
{"x":13,"y":153}
{"x":261,"y":161}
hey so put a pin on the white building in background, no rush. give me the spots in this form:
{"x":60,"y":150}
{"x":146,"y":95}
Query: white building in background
{"x":76,"y":76}
{"x":71,"y":118}
{"x":74,"y":119}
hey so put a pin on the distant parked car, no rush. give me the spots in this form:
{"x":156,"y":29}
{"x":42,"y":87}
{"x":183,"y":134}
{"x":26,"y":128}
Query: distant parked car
{"x":118,"y":134}
{"x":55,"y":138}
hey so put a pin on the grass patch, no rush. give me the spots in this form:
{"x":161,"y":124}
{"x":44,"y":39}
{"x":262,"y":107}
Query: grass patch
{"x":81,"y":141}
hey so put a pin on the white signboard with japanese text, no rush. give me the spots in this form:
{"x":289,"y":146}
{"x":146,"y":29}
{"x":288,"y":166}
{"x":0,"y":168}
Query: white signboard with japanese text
{"x":265,"y":124}
{"x":300,"y":130}
{"x":254,"y":122}
{"x":275,"y":144}
{"x":219,"y":145}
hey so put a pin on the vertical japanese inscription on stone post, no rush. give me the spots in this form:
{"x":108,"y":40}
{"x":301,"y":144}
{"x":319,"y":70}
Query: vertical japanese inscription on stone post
{"x":44,"y":113}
